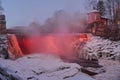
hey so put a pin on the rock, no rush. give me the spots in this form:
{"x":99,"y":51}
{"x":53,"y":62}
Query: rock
{"x":86,"y":63}
{"x":5,"y":76}
{"x":4,"y":47}
{"x":92,"y":71}
{"x":4,"y":53}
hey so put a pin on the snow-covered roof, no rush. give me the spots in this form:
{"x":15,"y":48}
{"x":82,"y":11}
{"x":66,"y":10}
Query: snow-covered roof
{"x":93,"y":11}
{"x":106,"y":17}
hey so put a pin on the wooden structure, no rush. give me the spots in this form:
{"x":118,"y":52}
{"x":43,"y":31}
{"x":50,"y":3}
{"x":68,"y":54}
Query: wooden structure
{"x":2,"y":24}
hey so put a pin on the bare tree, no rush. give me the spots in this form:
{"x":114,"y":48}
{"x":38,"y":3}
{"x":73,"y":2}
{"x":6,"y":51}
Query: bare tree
{"x":101,"y":7}
{"x":112,"y":6}
{"x":92,"y":4}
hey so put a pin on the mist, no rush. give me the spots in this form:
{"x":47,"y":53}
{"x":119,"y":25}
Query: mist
{"x":61,"y":22}
{"x":56,"y":35}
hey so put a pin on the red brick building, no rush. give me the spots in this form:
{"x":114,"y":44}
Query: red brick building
{"x":97,"y":24}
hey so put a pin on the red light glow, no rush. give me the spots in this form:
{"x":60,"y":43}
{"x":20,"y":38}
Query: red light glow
{"x":57,"y":44}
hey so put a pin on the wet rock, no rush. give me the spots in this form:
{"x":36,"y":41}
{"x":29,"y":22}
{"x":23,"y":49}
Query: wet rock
{"x":92,"y":71}
{"x":5,"y":76}
{"x":4,"y":53}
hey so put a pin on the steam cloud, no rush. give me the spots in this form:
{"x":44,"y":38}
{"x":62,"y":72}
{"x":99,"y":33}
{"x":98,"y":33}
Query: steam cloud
{"x":61,"y":22}
{"x":54,"y":36}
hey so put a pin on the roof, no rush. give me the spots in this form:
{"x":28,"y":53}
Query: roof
{"x":93,"y":11}
{"x":106,"y":17}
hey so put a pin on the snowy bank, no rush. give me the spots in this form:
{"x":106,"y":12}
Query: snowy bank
{"x":98,"y":47}
{"x":42,"y":67}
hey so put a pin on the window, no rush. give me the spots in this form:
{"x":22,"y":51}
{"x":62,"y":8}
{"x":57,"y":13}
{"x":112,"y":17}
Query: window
{"x":95,"y":17}
{"x":118,"y":22}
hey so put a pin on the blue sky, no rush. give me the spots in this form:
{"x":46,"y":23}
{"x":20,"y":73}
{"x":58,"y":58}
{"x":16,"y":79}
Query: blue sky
{"x":22,"y":12}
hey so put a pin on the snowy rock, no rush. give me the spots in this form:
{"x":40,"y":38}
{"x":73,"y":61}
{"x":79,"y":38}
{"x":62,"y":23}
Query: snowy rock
{"x":92,"y":71}
{"x":43,"y":67}
{"x":3,"y":46}
{"x":5,"y":76}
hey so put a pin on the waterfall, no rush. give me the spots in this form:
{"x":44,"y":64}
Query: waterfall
{"x":13,"y":47}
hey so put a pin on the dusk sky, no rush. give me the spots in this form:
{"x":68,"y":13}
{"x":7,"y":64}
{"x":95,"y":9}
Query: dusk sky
{"x":22,"y":12}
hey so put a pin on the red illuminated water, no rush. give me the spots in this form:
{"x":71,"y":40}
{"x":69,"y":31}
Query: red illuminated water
{"x":56,"y":44}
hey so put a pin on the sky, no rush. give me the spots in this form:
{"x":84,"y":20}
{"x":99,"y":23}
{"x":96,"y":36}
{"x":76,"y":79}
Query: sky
{"x":22,"y":12}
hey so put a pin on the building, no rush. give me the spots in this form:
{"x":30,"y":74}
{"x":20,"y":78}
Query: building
{"x":2,"y":21}
{"x":117,"y":17}
{"x":3,"y":36}
{"x":2,"y":24}
{"x":98,"y":24}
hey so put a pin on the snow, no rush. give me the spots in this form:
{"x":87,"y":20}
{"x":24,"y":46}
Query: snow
{"x":108,"y":54}
{"x":112,"y":70}
{"x":43,"y":67}
{"x":3,"y":41}
{"x":97,"y":46}
{"x":3,"y":46}
{"x":51,"y":67}
{"x":92,"y":11}
{"x":107,"y":17}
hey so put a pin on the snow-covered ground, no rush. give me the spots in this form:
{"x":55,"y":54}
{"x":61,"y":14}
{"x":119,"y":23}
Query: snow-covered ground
{"x":42,"y":67}
{"x":51,"y":67}
{"x":112,"y":69}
